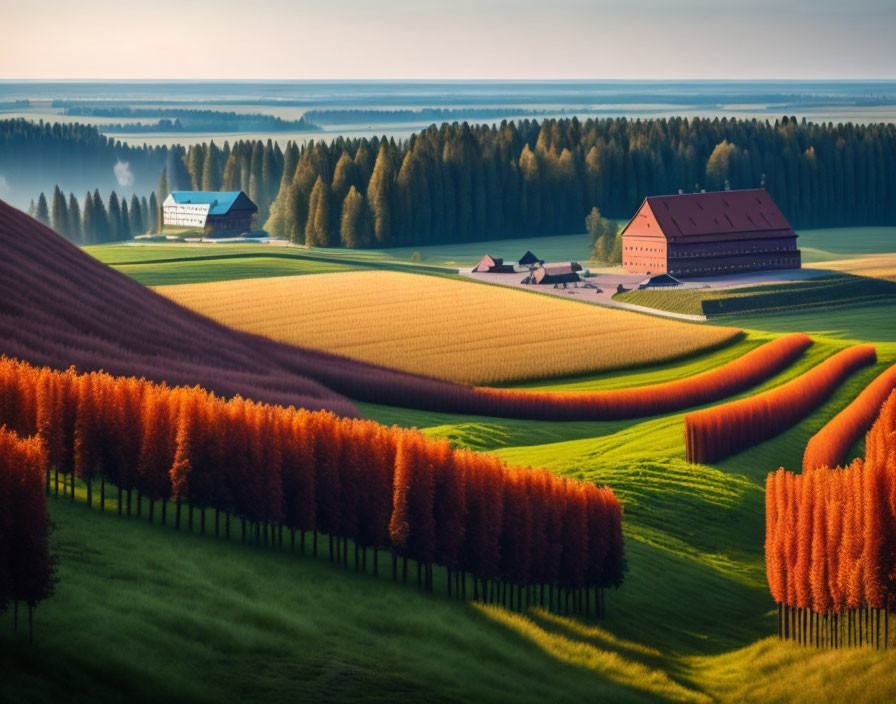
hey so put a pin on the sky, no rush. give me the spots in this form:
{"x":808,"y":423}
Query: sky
{"x":448,"y":39}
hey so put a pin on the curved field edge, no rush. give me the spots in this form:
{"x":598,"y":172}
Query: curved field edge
{"x":691,"y":530}
{"x":446,"y":328}
{"x":830,"y":445}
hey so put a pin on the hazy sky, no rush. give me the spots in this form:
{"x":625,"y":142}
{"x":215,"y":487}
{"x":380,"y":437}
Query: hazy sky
{"x":448,"y":39}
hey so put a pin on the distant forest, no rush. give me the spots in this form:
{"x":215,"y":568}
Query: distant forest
{"x":434,"y":115}
{"x":182,"y":120}
{"x":464,"y":183}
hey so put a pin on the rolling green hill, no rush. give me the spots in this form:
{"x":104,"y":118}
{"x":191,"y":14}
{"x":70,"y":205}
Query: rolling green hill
{"x":143,"y":612}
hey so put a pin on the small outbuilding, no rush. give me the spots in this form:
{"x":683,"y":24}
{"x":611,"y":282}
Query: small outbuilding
{"x":529,"y":259}
{"x":565,"y":274}
{"x":659,"y":281}
{"x":493,"y":265}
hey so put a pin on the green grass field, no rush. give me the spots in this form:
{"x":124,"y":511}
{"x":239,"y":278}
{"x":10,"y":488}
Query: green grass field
{"x":143,"y":612}
{"x":693,"y":621}
{"x":824,"y":292}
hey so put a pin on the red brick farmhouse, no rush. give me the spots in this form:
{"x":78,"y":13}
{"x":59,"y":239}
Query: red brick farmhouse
{"x":709,"y":234}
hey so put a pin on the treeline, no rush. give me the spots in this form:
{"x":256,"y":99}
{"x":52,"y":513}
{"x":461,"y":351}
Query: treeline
{"x":509,"y":529}
{"x":458,"y":183}
{"x":829,"y":545}
{"x":713,"y":434}
{"x":93,"y":221}
{"x":337,"y":116}
{"x":462,"y":183}
{"x":190,"y":120}
{"x":828,"y":447}
{"x":26,"y":568}
{"x":35,"y":157}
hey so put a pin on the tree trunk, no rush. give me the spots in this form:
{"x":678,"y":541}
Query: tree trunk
{"x":102,"y":493}
{"x":152,"y":508}
{"x":165,"y":511}
{"x":89,"y":492}
{"x":56,"y":479}
{"x":30,"y":624}
{"x":119,"y":500}
{"x":129,"y":502}
{"x":217,"y":521}
{"x":177,"y":515}
{"x":139,"y":504}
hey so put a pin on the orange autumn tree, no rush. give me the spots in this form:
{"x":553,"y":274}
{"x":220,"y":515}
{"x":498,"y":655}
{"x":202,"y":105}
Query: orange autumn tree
{"x":506,"y":529}
{"x":831,"y":544}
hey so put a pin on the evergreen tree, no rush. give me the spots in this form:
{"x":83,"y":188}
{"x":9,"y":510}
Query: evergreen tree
{"x":212,"y":168}
{"x":194,"y":160}
{"x":125,"y":232}
{"x":317,"y":229}
{"x":101,"y":226}
{"x":74,"y":219}
{"x":230,"y":179}
{"x":353,"y":230}
{"x":115,"y":229}
{"x":162,"y":188}
{"x":154,"y":214}
{"x":88,"y":223}
{"x":59,"y":220}
{"x":42,"y":212}
{"x":379,"y":196}
{"x":136,"y":216}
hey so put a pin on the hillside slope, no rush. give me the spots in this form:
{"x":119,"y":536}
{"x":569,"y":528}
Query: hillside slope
{"x":60,"y":307}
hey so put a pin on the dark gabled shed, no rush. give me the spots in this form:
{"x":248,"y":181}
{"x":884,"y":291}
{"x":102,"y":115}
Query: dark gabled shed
{"x":529,"y":259}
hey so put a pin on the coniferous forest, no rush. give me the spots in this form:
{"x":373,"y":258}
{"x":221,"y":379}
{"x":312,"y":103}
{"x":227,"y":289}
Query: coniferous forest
{"x":460,"y":183}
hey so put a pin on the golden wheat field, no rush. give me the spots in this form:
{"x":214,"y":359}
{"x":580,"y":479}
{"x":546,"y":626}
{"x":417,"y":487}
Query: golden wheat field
{"x":878,"y":266}
{"x":445,"y":328}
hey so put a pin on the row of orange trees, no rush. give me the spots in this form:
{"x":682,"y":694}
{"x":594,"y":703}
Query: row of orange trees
{"x":755,"y":366}
{"x":712,"y":434}
{"x":26,"y":570}
{"x":831,"y":545}
{"x":276,"y":468}
{"x":828,"y":447}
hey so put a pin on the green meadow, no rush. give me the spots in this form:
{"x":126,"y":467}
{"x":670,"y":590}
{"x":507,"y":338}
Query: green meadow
{"x":144,"y":612}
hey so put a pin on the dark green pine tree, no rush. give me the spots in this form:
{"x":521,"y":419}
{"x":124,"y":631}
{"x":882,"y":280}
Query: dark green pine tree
{"x":162,"y":188}
{"x":114,"y":215}
{"x":256,"y":179}
{"x":136,"y":216}
{"x":74,"y":220}
{"x":102,"y":227}
{"x":125,"y":231}
{"x":154,"y":217}
{"x":42,"y":211}
{"x":88,"y":221}
{"x":59,"y":220}
{"x":212,"y":168}
{"x":145,"y":215}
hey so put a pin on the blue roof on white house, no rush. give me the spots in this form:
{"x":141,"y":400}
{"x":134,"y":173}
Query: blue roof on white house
{"x":220,"y":201}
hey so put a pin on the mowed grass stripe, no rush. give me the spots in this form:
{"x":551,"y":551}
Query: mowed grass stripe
{"x":446,"y":328}
{"x":191,"y":271}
